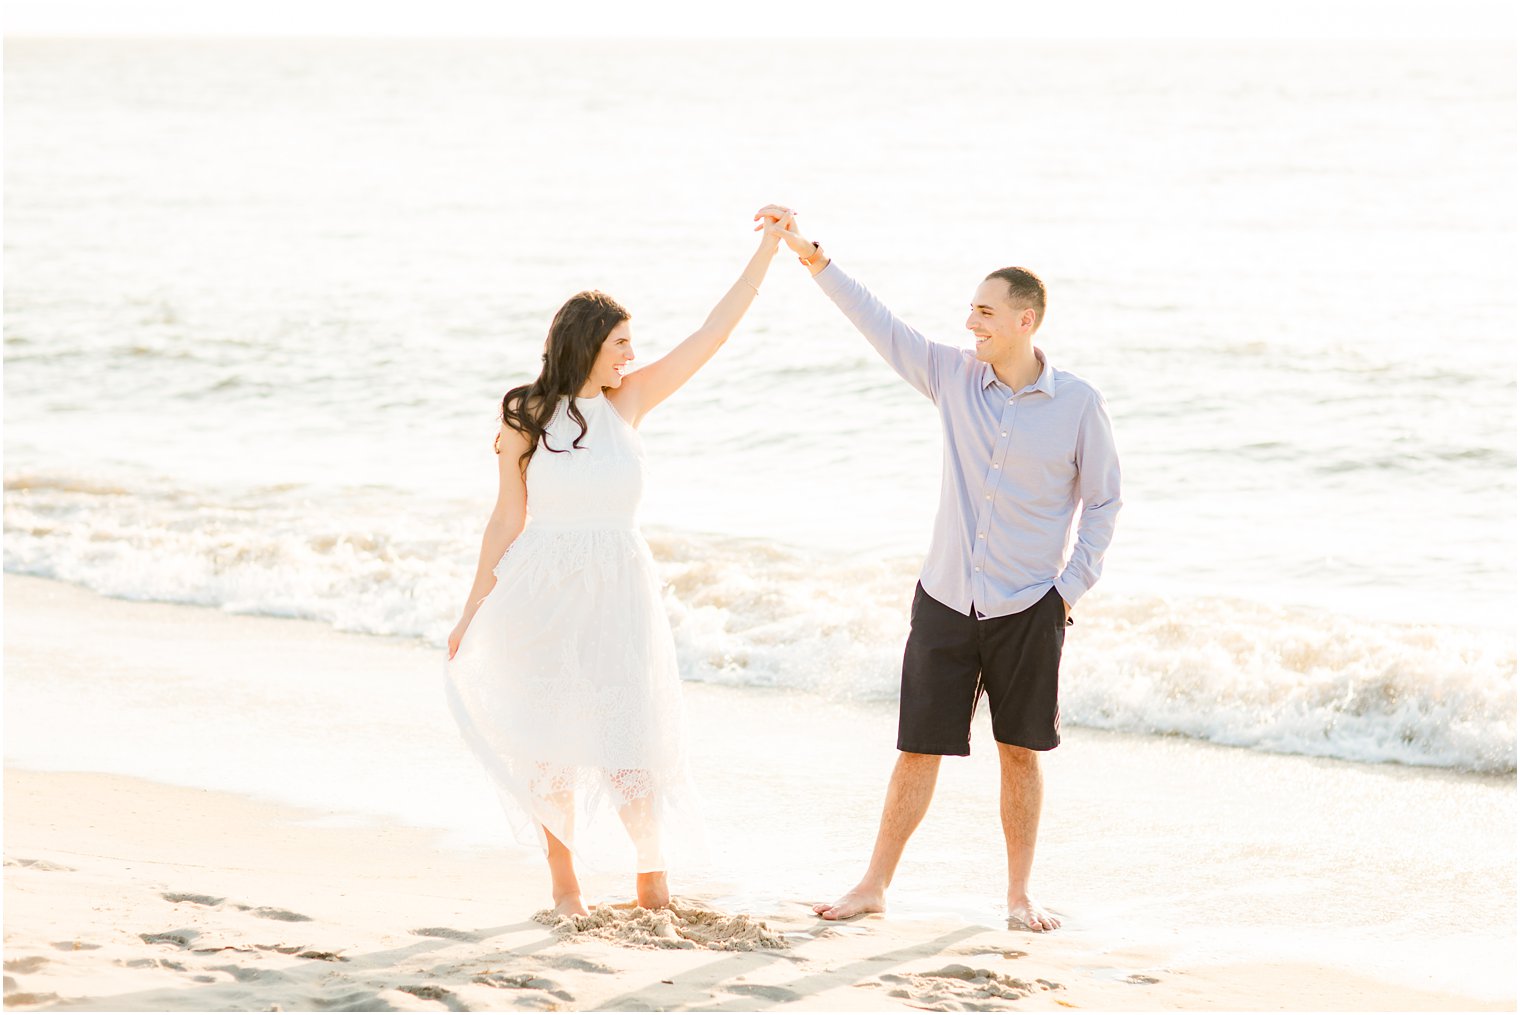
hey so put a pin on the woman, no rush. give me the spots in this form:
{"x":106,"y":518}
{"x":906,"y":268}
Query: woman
{"x":562,"y":669}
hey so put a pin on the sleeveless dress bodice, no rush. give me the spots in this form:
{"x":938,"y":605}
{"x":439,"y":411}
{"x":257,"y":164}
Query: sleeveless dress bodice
{"x":595,"y":486}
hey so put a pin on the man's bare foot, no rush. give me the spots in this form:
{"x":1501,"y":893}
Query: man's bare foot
{"x":653,"y":892}
{"x":1025,"y":914}
{"x":854,"y":902}
{"x":570,"y":905}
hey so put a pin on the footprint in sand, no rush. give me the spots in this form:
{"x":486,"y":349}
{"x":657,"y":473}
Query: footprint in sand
{"x":321,"y":956}
{"x":576,"y":963}
{"x":29,"y":964}
{"x":15,"y":997}
{"x":433,"y":992}
{"x":181,"y":937}
{"x":39,"y":865}
{"x":302,"y":952}
{"x":264,"y":912}
{"x":524,"y":981}
{"x":354,"y":1000}
{"x":22,"y":999}
{"x":760,"y":990}
{"x":178,"y":967}
{"x":1140,"y":978}
{"x":222,"y":948}
{"x":270,"y":913}
{"x":447,"y":933}
{"x":199,"y":900}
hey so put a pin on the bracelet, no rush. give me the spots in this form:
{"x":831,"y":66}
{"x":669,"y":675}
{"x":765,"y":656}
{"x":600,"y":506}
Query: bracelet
{"x":750,"y":284}
{"x":808,"y":260}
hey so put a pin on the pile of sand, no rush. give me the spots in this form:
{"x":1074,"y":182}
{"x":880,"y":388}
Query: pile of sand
{"x":680,"y":926}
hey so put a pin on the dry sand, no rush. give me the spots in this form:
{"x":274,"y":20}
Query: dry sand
{"x":129,"y":895}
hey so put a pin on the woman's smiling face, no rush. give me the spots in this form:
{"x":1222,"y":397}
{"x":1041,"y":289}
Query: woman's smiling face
{"x":616,"y":354}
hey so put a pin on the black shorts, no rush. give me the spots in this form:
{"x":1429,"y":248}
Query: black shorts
{"x":951,"y":658}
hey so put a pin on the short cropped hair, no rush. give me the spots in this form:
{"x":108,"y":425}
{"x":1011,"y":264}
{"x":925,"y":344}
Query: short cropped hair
{"x":1024,"y":290}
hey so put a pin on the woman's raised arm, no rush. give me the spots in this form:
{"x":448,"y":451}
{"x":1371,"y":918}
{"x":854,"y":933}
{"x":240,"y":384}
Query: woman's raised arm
{"x":647,"y":387}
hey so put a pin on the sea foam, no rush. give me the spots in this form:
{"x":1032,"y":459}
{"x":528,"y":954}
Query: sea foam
{"x":761,"y":613}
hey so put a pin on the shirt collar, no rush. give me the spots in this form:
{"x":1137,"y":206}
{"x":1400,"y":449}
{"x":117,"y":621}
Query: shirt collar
{"x":1046,"y":382}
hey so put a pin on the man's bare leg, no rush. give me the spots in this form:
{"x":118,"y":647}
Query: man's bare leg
{"x":1022,"y":796}
{"x":908,"y":796}
{"x":564,"y":885}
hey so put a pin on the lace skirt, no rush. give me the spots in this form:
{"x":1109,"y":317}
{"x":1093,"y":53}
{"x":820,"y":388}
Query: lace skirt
{"x":565,"y":687}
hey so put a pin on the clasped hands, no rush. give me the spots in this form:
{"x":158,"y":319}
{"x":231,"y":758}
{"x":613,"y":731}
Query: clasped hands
{"x":780,"y":222}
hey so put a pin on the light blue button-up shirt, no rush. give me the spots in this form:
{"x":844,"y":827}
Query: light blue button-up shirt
{"x":1017,"y":465}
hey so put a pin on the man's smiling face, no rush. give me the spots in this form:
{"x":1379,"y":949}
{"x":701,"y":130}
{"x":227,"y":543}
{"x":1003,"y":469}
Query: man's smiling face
{"x":1000,"y":327}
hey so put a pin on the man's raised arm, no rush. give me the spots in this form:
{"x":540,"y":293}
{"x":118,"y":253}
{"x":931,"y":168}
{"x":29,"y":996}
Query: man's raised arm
{"x":920,"y":361}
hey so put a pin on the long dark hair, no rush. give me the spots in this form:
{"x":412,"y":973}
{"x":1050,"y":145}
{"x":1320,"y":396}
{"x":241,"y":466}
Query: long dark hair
{"x":575,"y":338}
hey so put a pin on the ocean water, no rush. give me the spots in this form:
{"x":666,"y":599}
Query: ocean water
{"x":262,"y":299}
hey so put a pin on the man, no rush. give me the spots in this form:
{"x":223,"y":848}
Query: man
{"x":1025,"y":444}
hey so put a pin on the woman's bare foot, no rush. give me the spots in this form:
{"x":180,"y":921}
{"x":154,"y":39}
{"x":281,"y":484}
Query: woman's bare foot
{"x":653,"y":892}
{"x":1025,"y":914}
{"x":570,"y":905}
{"x":856,"y":901}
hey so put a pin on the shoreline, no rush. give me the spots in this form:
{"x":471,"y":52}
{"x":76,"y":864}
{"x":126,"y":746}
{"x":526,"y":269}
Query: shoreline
{"x":1221,"y":671}
{"x":1233,"y":878}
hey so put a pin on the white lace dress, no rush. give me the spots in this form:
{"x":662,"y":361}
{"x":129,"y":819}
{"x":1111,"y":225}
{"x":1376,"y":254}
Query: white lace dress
{"x":565,"y":683}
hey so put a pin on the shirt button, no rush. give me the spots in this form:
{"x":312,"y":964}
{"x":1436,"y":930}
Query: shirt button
{"x":995,"y":465}
{"x":1010,"y":401}
{"x":976,"y":569}
{"x":1005,"y":433}
{"x":980,"y":535}
{"x":989,"y":496}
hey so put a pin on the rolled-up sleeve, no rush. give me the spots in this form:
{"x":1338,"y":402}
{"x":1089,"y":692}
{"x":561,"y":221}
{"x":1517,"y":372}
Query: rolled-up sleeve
{"x":918,"y":360}
{"x":1098,"y":488}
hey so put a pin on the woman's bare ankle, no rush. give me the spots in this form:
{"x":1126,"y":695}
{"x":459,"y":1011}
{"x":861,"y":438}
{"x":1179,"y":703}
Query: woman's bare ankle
{"x":570,"y":904}
{"x":653,"y":890}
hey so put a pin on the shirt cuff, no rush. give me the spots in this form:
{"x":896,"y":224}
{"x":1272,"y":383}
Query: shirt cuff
{"x":1070,"y":589}
{"x":831,"y":279}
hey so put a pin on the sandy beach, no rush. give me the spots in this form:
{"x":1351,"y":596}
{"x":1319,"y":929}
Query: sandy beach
{"x":138,"y":896}
{"x":129,"y":893}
